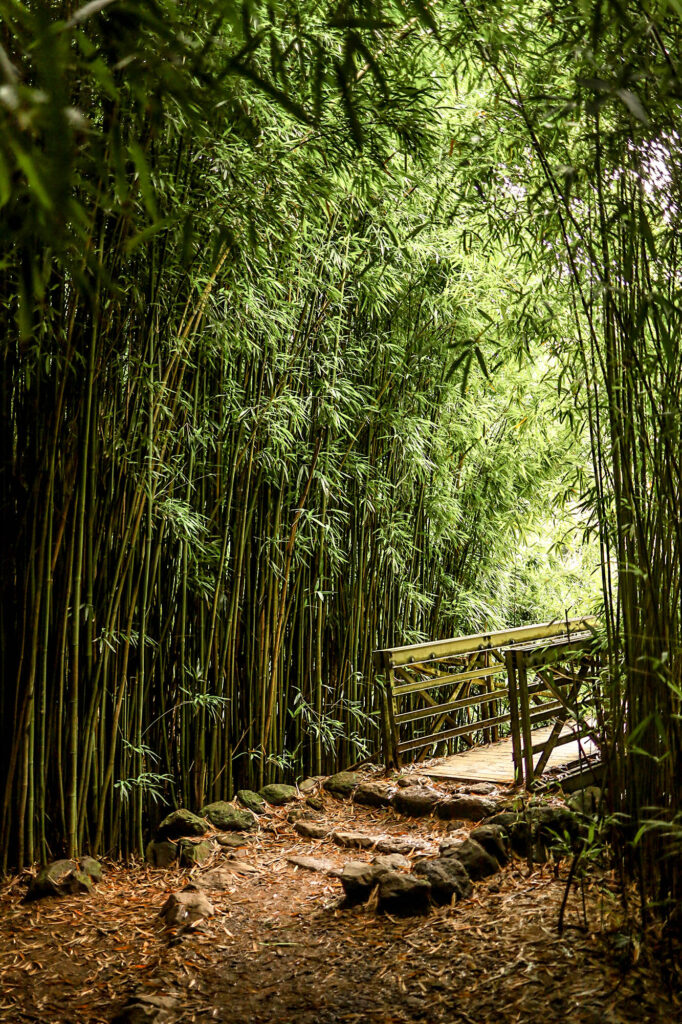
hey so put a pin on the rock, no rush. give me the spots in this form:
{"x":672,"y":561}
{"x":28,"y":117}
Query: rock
{"x":455,"y":826}
{"x":278,"y":794}
{"x":193,"y":853}
{"x":353,"y":839}
{"x":301,"y":814}
{"x":161,"y":853}
{"x":92,"y":868}
{"x":358,"y":879}
{"x":482,"y":788}
{"x":391,"y":861}
{"x":60,"y":878}
{"x":403,"y":781}
{"x":252,"y":801}
{"x":311,"y":829}
{"x":403,"y":894}
{"x":520,"y":837}
{"x":315,"y":802}
{"x":312,"y":863}
{"x":307,"y":786}
{"x":401,"y":845}
{"x":477,"y":861}
{"x":227,"y":818}
{"x":470,"y":808}
{"x":551,"y":822}
{"x":148,"y":1009}
{"x":230,"y":840}
{"x":216,"y":878}
{"x":586,"y":801}
{"x":186,"y":907}
{"x":374,"y":794}
{"x":417,"y":801}
{"x":494,"y":841}
{"x":447,"y":877}
{"x":181,"y":823}
{"x":504,"y":818}
{"x":341,"y":784}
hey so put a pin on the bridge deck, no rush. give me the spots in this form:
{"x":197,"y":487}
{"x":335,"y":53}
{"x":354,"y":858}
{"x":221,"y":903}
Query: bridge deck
{"x":493,"y":762}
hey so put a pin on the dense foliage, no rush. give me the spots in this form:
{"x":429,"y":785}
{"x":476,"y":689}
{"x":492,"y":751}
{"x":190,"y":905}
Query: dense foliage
{"x":324,"y":327}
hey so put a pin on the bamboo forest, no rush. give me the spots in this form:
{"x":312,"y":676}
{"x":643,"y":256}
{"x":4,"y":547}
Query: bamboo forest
{"x":341,"y":492}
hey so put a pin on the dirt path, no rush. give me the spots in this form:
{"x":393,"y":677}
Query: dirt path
{"x":281,"y":949}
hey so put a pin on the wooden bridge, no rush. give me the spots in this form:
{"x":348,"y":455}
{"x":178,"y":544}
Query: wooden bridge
{"x":504,"y":706}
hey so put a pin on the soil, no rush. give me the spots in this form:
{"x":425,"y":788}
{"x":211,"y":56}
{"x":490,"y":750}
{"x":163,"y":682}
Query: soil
{"x":282,"y":947}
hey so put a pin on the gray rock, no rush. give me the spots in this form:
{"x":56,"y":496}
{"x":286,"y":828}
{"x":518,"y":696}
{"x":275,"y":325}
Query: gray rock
{"x":359,"y":879}
{"x":193,"y":853}
{"x":186,"y":907}
{"x":307,"y":786}
{"x":230,"y":840}
{"x":403,"y":894}
{"x":494,"y":841}
{"x":482,"y":788}
{"x":278,"y":794}
{"x":92,"y":868}
{"x":447,"y":877}
{"x":470,"y":808}
{"x":401,"y":845}
{"x":477,"y":861}
{"x":341,"y":784}
{"x":60,"y":878}
{"x":181,"y":823}
{"x":504,"y":818}
{"x":161,"y":853}
{"x":301,"y":814}
{"x":315,"y":802}
{"x":391,"y":861}
{"x":374,"y":794}
{"x":586,"y":801}
{"x":551,"y":822}
{"x":417,"y":801}
{"x":353,"y":839}
{"x":227,"y":818}
{"x":311,"y":829}
{"x":252,"y":801}
{"x":312,"y":863}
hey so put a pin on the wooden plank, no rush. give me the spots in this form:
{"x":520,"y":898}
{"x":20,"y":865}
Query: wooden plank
{"x":414,"y":653}
{"x":454,"y":705}
{"x":457,"y":677}
{"x":461,"y":730}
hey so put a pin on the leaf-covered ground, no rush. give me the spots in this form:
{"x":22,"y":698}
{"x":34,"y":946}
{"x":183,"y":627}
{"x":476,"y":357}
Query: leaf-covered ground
{"x":281,"y":948}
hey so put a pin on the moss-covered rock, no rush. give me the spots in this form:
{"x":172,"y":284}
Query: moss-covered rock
{"x":193,"y":853}
{"x":278,"y":794}
{"x":92,"y":868}
{"x":252,"y":801}
{"x":341,"y":784}
{"x":161,"y":853}
{"x":181,"y":823}
{"x":227,"y":818}
{"x":60,"y":878}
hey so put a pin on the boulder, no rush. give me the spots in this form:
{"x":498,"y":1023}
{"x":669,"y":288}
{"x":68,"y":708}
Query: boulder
{"x":353,"y":839}
{"x":316,"y":803}
{"x":447,"y":877}
{"x":403,"y":894}
{"x":192,"y":854}
{"x":227,"y":818}
{"x":374,"y":794}
{"x":181,"y":823}
{"x":477,"y":861}
{"x":60,"y":878}
{"x":92,"y":868}
{"x":311,"y":829}
{"x":416,"y":801}
{"x":469,"y":808}
{"x":161,"y":853}
{"x":312,"y":863}
{"x":358,"y":880}
{"x":186,"y":907}
{"x":307,"y":786}
{"x":278,"y":794}
{"x":494,"y":841}
{"x":252,"y":801}
{"x":341,"y":784}
{"x":391,"y":861}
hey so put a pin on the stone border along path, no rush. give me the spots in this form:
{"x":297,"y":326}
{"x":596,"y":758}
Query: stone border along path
{"x":390,"y":881}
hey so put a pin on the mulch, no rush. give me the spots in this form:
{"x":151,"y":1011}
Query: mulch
{"x":281,"y":947}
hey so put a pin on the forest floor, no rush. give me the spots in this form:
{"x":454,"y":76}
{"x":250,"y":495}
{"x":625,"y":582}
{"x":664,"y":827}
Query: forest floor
{"x":283,"y":948}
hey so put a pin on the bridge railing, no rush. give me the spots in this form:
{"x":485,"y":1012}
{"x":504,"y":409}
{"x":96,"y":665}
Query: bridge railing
{"x":442,"y":693}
